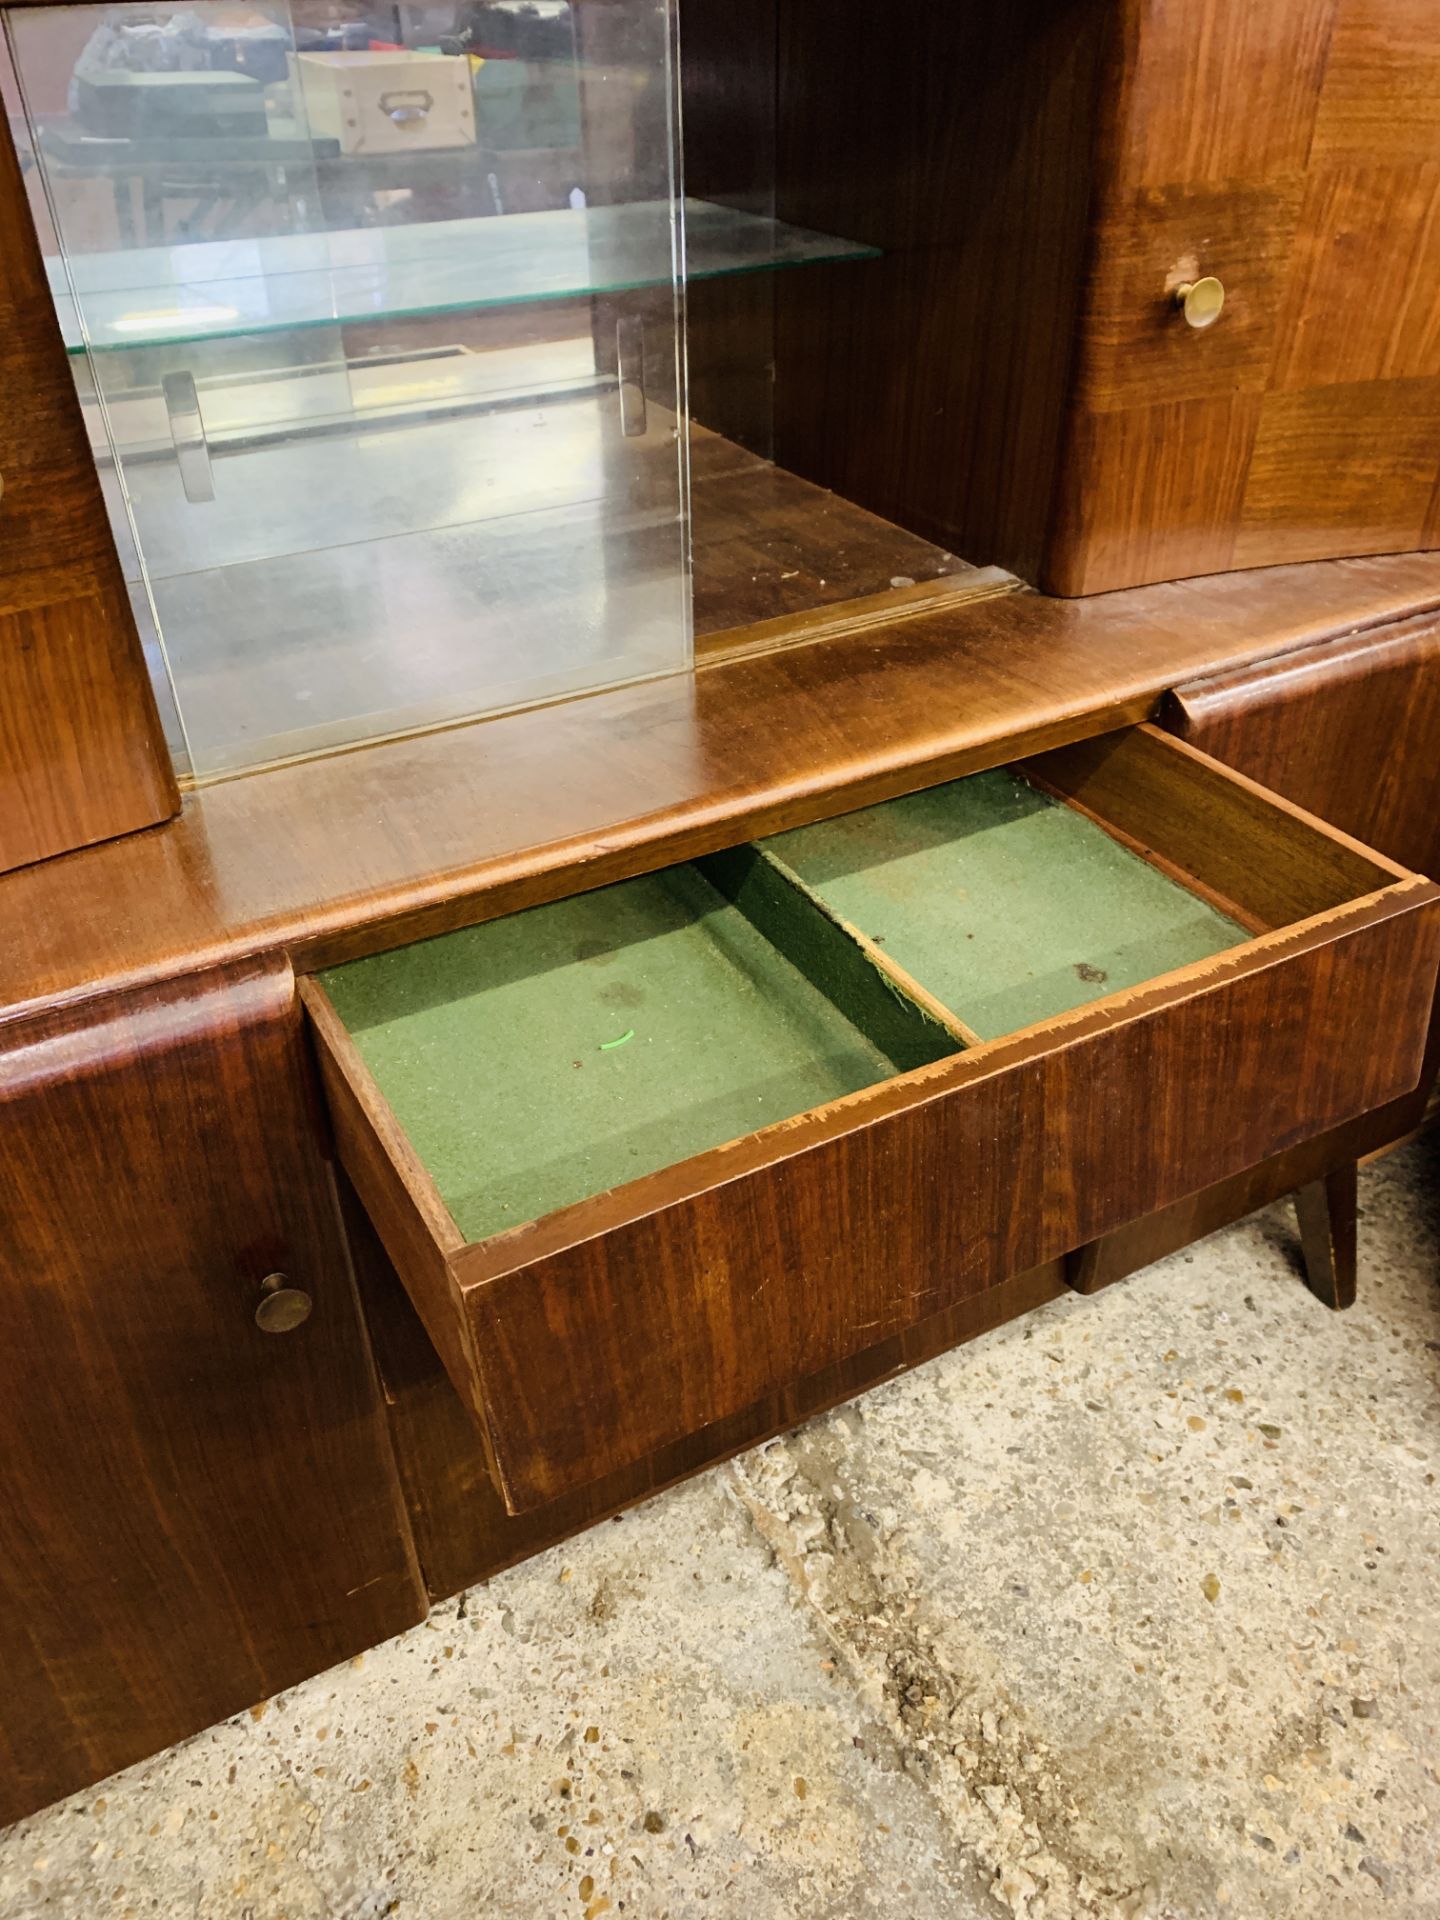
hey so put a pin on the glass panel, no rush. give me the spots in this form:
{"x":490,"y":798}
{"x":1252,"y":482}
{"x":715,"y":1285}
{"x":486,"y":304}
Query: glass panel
{"x":129,"y":560}
{"x":376,"y":316}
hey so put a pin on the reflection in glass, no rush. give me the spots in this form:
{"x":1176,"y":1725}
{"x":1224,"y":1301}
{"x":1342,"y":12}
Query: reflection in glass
{"x":376,"y":319}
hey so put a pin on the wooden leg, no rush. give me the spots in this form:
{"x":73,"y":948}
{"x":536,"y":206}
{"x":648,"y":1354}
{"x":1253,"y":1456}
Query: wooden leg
{"x":1326,"y":1210}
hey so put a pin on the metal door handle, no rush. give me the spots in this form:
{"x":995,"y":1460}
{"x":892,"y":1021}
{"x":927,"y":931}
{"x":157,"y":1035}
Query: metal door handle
{"x":1201,"y":301}
{"x":630,"y":367}
{"x":406,"y":107}
{"x":187,"y":434}
{"x":282,"y":1307}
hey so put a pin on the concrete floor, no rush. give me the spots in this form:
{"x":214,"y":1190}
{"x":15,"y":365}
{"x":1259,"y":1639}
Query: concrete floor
{"x":1131,"y":1608}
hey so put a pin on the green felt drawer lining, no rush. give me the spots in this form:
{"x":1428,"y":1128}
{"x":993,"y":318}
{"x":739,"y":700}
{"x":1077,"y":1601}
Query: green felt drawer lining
{"x":739,"y":994}
{"x":1007,"y":905}
{"x":490,"y":1044}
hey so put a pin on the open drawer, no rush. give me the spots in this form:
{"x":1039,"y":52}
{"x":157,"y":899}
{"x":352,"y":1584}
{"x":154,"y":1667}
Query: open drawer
{"x":643,"y":1155}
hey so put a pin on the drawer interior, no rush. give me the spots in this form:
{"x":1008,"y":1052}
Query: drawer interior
{"x":542,"y":1059}
{"x":537,"y":1060}
{"x":1008,"y":905}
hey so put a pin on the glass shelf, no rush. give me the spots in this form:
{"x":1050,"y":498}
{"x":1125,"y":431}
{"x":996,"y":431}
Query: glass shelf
{"x":225,"y":289}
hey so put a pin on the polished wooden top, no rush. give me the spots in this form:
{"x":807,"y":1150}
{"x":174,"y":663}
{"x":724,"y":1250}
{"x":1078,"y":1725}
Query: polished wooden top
{"x":345,"y":855}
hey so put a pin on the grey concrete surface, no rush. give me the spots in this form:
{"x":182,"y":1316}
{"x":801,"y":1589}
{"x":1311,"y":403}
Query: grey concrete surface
{"x":1131,"y":1608}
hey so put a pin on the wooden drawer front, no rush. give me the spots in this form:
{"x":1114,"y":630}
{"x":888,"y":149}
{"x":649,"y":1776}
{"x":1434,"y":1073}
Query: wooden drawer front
{"x":974,"y":1028}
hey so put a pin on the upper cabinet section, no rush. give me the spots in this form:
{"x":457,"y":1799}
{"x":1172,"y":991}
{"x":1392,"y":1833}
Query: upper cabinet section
{"x":376,"y":323}
{"x":390,"y":325}
{"x":1159,"y":286}
{"x":376,"y":317}
{"x":1293,"y":153}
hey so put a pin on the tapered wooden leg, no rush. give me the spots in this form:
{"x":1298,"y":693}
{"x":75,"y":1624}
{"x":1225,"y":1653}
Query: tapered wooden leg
{"x":1326,"y":1210}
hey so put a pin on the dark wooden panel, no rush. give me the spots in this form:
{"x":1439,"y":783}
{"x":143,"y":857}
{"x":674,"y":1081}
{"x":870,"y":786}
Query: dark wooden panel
{"x":929,"y":385}
{"x":70,"y":773}
{"x":730,"y":359}
{"x":198,"y":1513}
{"x":463,"y":1533}
{"x":728,"y":93}
{"x":1349,"y":729}
{"x":1151,"y":493}
{"x":1340,"y":470}
{"x":708,"y":1286}
{"x":1140,"y":1242}
{"x":364,"y":850}
{"x":82,"y":755}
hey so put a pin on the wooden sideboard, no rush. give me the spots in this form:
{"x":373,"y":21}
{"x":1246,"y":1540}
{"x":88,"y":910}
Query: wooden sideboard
{"x":142,"y":1031}
{"x":265,"y":1394}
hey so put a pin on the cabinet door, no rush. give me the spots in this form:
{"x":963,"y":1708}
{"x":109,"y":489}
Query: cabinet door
{"x":198,"y":1512}
{"x":1293,"y":153}
{"x":82,"y":755}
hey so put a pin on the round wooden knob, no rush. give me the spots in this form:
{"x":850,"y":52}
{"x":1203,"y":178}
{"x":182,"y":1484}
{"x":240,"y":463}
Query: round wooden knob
{"x":1201,"y":301}
{"x":282,"y":1307}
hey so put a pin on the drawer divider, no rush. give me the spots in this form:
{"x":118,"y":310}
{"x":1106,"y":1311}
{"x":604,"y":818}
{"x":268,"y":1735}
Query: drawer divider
{"x":855,"y":974}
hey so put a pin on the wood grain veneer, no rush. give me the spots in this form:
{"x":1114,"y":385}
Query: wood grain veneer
{"x":463,"y":1533}
{"x":556,"y":1332}
{"x":1347,"y":728}
{"x":347,"y":855}
{"x":929,"y":385}
{"x":199,"y":1512}
{"x":1292,"y":152}
{"x":766,"y":545}
{"x":82,"y":754}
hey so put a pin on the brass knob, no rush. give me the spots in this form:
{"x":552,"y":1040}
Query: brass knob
{"x":282,"y":1307}
{"x":1201,"y":301}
